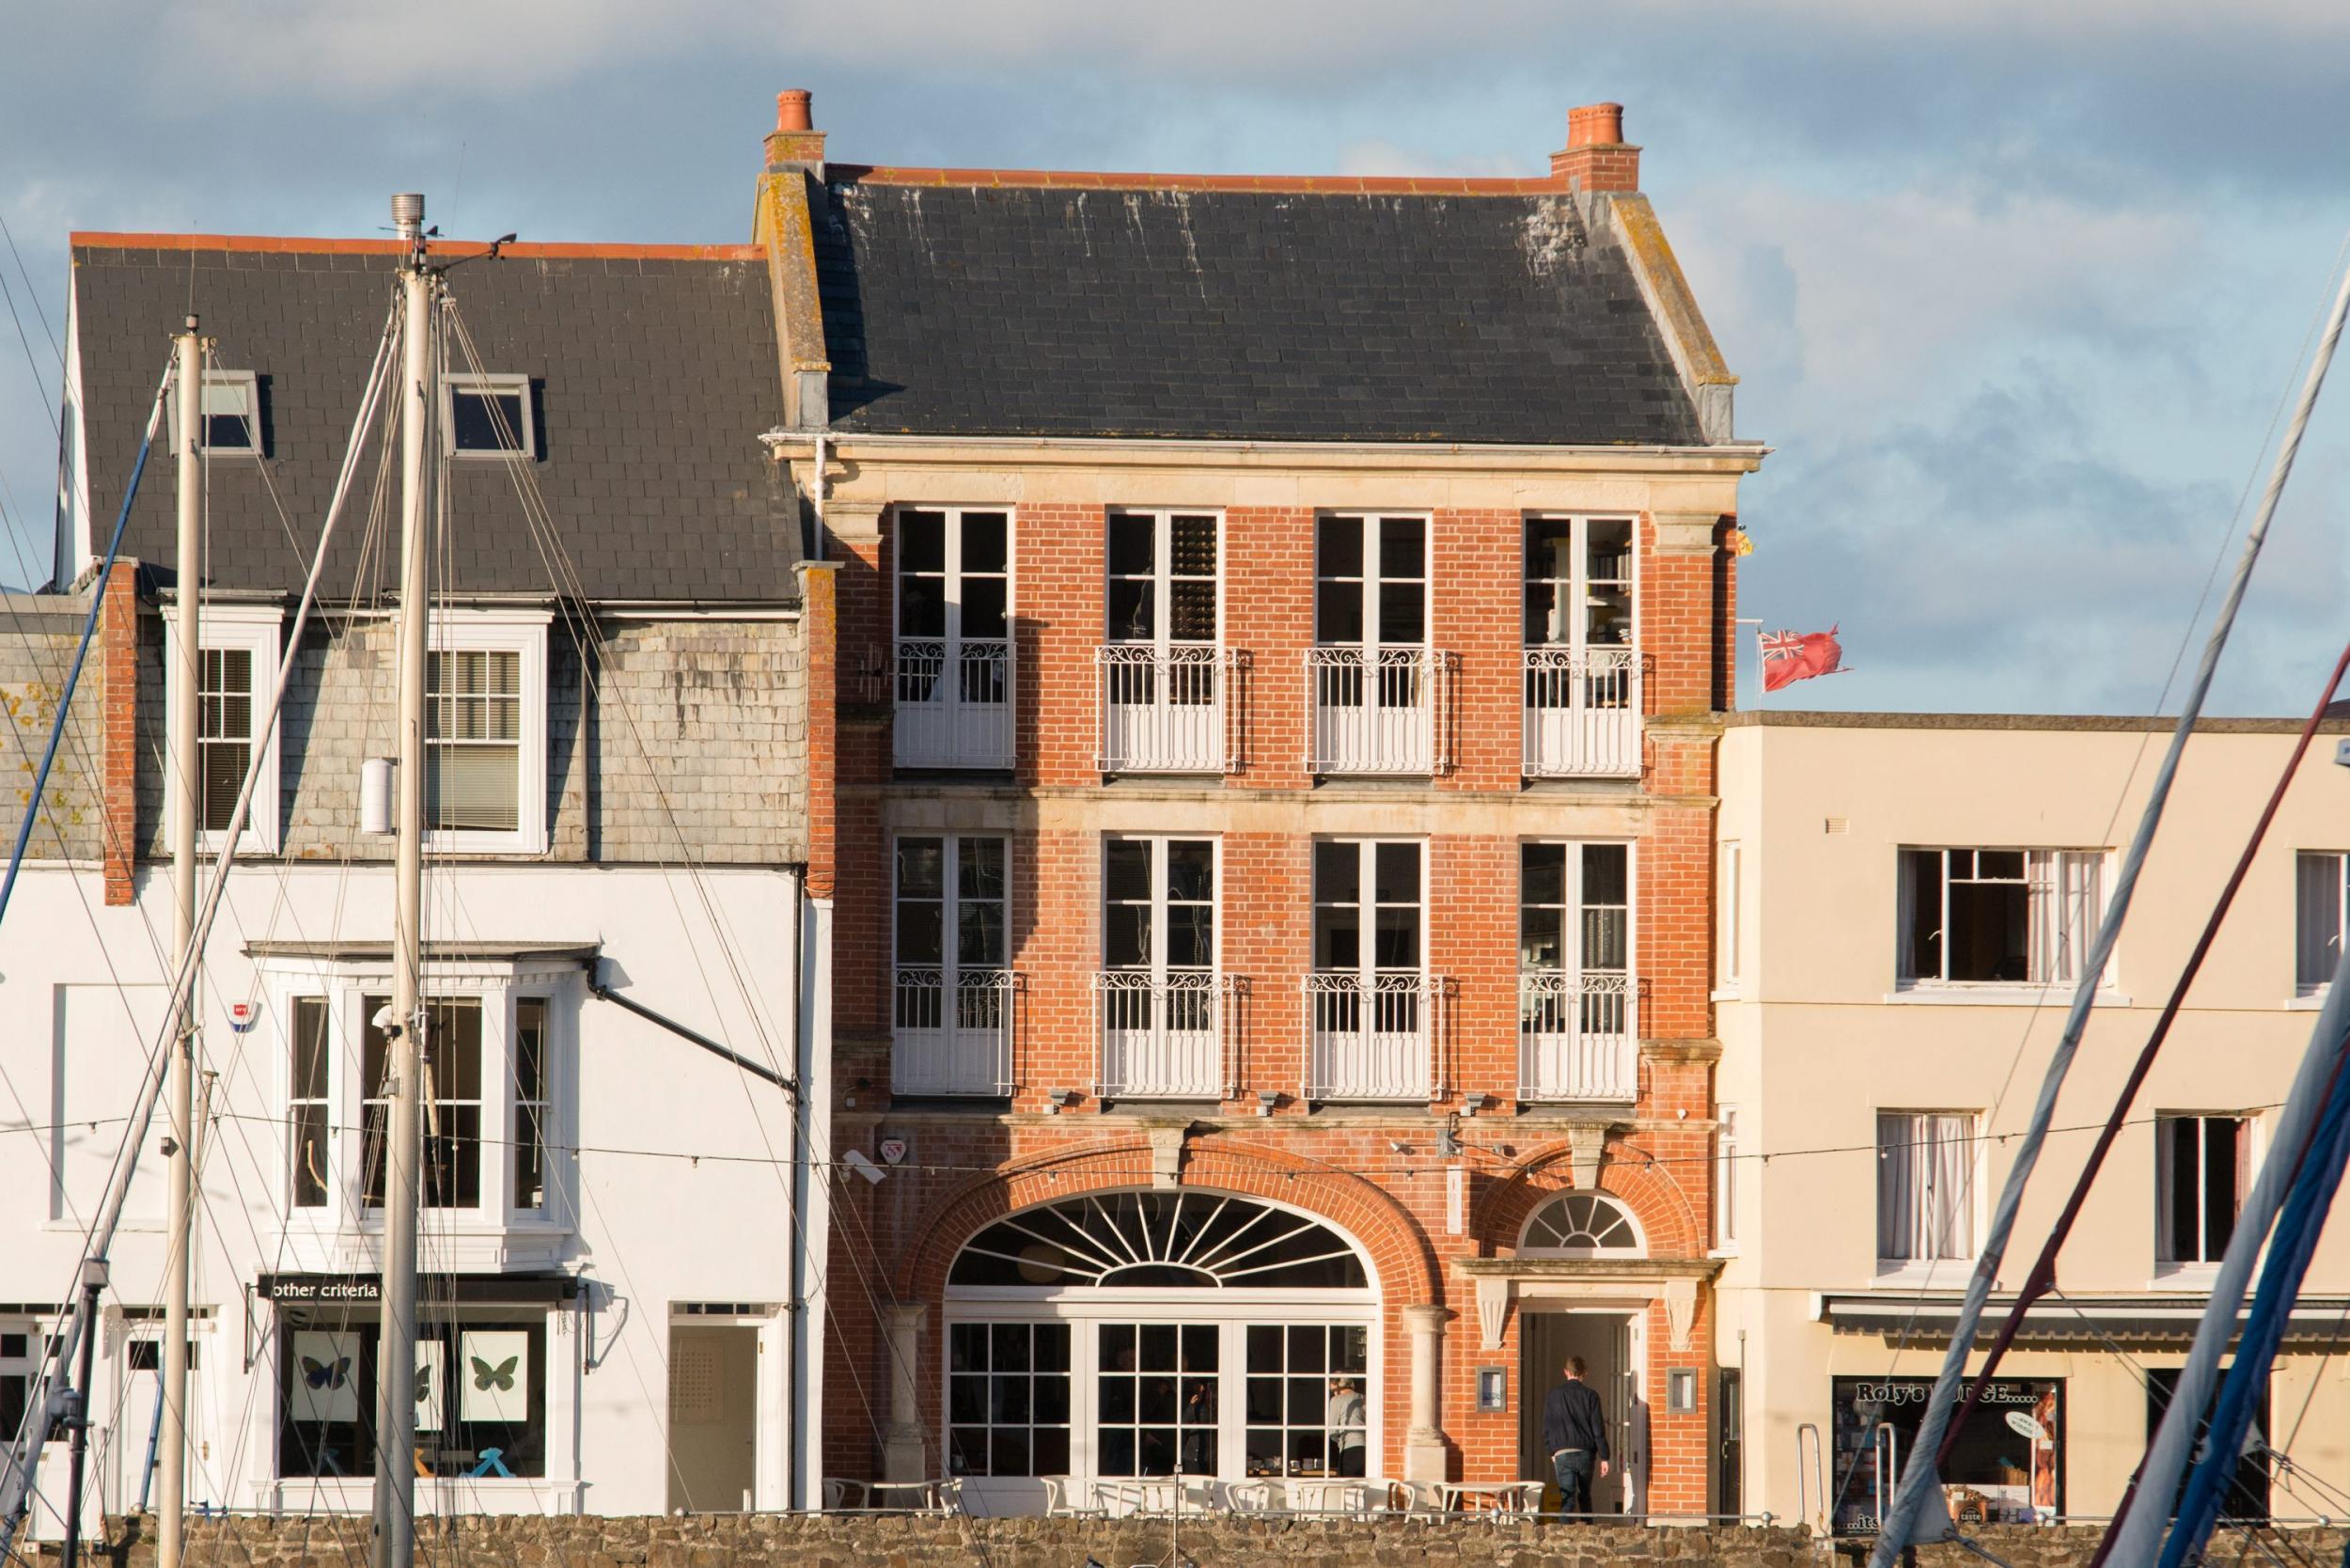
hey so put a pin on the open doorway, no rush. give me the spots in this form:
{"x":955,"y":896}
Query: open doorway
{"x":714,"y":1416}
{"x":1611,"y":1345}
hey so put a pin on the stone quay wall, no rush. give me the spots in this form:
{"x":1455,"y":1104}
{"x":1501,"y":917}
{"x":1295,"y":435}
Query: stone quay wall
{"x":919,"y":1541}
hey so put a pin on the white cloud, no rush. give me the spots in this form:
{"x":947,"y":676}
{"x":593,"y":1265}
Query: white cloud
{"x":342,"y":49}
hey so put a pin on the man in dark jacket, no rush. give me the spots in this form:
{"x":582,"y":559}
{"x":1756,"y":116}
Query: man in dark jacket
{"x":1575,"y":1431}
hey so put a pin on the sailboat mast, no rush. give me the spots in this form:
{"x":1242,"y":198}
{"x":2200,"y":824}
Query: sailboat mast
{"x":187,"y":780}
{"x":395,"y":1356}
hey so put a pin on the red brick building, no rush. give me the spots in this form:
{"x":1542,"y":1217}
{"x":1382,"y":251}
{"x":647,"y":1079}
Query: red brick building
{"x":1282,"y":630}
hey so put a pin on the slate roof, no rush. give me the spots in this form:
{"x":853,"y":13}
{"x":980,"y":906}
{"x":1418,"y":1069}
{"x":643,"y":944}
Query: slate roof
{"x":976,"y":309}
{"x":653,"y":369}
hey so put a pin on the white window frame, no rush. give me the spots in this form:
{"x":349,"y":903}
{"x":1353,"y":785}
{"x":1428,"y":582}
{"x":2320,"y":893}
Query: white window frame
{"x":488,"y":1234}
{"x":951,"y":639}
{"x":1528,"y":1248}
{"x":1573,"y":960}
{"x":2332,"y":867}
{"x":1366,"y":905}
{"x":498,"y":384}
{"x":524,"y":632}
{"x":1730,"y":921}
{"x":1577,"y":585}
{"x":2173,"y":1270}
{"x":1161,"y":541}
{"x":256,"y":630}
{"x":1941,"y":1270}
{"x":1156,"y":966}
{"x":950,"y":964}
{"x":1233,"y":1308}
{"x":1726,"y":1181}
{"x":1373,"y":576}
{"x":2056,"y":858}
{"x":246,"y":381}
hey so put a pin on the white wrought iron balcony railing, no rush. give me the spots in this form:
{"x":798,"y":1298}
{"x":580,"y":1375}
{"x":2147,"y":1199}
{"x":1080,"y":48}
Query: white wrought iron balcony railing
{"x":1370,"y":1038}
{"x":1377,"y":710}
{"x":951,"y":1031}
{"x":1578,"y":1036}
{"x":953,"y":703}
{"x":1582,"y":717}
{"x":1168,"y":709}
{"x":1163,"y":1035}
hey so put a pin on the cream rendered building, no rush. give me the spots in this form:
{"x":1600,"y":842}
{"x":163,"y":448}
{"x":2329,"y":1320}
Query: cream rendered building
{"x":1905,"y":901}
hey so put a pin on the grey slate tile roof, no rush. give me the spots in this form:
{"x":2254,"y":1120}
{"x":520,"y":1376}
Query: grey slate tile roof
{"x":984,"y":311}
{"x":653,"y":379}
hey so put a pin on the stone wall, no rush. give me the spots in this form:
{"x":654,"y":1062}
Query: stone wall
{"x":899,"y":1541}
{"x":674,"y":737}
{"x":35,"y":655}
{"x":903,"y":1541}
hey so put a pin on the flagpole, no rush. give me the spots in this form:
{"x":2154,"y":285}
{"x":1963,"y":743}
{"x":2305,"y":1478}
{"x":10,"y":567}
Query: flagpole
{"x":1755,"y":622}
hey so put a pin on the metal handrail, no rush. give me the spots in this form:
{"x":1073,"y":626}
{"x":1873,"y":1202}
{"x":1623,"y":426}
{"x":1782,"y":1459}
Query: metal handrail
{"x":1143,"y":693}
{"x":939,"y":1027}
{"x":1553,"y":1003}
{"x":1146,"y":1003}
{"x":1374,"y":1002}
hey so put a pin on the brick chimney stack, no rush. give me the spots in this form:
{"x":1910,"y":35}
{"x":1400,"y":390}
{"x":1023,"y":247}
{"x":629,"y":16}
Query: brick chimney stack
{"x":795,"y":142}
{"x":1596,"y":157}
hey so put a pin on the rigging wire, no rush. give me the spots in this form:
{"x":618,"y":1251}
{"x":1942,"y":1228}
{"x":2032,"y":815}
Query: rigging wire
{"x":1920,"y":1479}
{"x":15,"y":1486}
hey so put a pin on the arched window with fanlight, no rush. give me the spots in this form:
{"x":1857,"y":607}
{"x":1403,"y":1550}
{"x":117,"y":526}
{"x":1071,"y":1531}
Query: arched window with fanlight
{"x":1583,"y":1225}
{"x":1118,"y":1341}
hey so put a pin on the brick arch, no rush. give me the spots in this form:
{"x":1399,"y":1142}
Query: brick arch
{"x":1656,"y":1198}
{"x":1399,"y":1252}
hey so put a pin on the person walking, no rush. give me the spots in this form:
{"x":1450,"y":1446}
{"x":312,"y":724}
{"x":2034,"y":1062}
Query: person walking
{"x":1345,"y":1423}
{"x":1574,"y":1430}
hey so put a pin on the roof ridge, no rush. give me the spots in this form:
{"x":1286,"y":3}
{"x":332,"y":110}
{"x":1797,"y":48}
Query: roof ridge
{"x":1292,"y":184}
{"x":303,"y":245}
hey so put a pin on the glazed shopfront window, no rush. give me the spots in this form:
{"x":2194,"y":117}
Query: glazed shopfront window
{"x":2007,"y":1466}
{"x":479,"y":1388}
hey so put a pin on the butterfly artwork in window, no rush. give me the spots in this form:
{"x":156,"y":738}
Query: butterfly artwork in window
{"x":495,"y":1386}
{"x":430,"y":1359}
{"x":324,"y":1380}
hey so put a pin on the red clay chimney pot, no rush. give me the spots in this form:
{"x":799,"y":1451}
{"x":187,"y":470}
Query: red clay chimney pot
{"x":1595,"y":125}
{"x":791,"y":110}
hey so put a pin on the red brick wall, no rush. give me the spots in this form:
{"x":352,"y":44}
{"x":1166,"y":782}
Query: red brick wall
{"x":894,"y":1241}
{"x":119,"y":760}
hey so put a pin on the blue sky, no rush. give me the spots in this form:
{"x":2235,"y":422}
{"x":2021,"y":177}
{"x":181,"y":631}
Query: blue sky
{"x":2015,"y":289}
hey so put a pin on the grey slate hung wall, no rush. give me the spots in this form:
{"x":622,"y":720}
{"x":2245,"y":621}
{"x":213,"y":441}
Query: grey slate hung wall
{"x":34,"y":659}
{"x":683,"y":727}
{"x":954,"y":310}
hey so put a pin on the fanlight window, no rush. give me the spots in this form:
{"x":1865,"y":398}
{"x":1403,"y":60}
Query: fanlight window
{"x":1165,"y":1239}
{"x":1583,"y":1224}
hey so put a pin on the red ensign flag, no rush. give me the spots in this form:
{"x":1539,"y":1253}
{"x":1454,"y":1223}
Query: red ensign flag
{"x":1792,"y":657}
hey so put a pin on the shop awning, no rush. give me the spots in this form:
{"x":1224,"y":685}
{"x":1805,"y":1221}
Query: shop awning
{"x":1927,"y":1319}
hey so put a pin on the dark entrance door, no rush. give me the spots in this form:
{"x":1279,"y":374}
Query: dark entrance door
{"x":1730,"y":1409}
{"x":2249,"y":1497}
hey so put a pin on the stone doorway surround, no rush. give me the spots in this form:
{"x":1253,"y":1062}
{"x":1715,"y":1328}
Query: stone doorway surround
{"x":1633,"y":1283}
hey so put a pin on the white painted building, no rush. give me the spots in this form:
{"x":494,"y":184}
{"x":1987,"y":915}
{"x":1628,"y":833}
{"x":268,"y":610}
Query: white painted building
{"x":622,"y":1291}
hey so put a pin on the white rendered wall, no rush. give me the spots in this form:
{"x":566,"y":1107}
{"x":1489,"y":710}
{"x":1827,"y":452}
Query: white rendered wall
{"x":653,"y":1228}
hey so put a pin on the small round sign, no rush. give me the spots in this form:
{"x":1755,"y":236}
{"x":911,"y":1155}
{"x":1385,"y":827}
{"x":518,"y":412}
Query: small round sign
{"x":2024,"y":1426}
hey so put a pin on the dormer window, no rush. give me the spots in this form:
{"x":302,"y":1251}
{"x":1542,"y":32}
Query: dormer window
{"x":228,"y":422}
{"x":487,"y":416}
